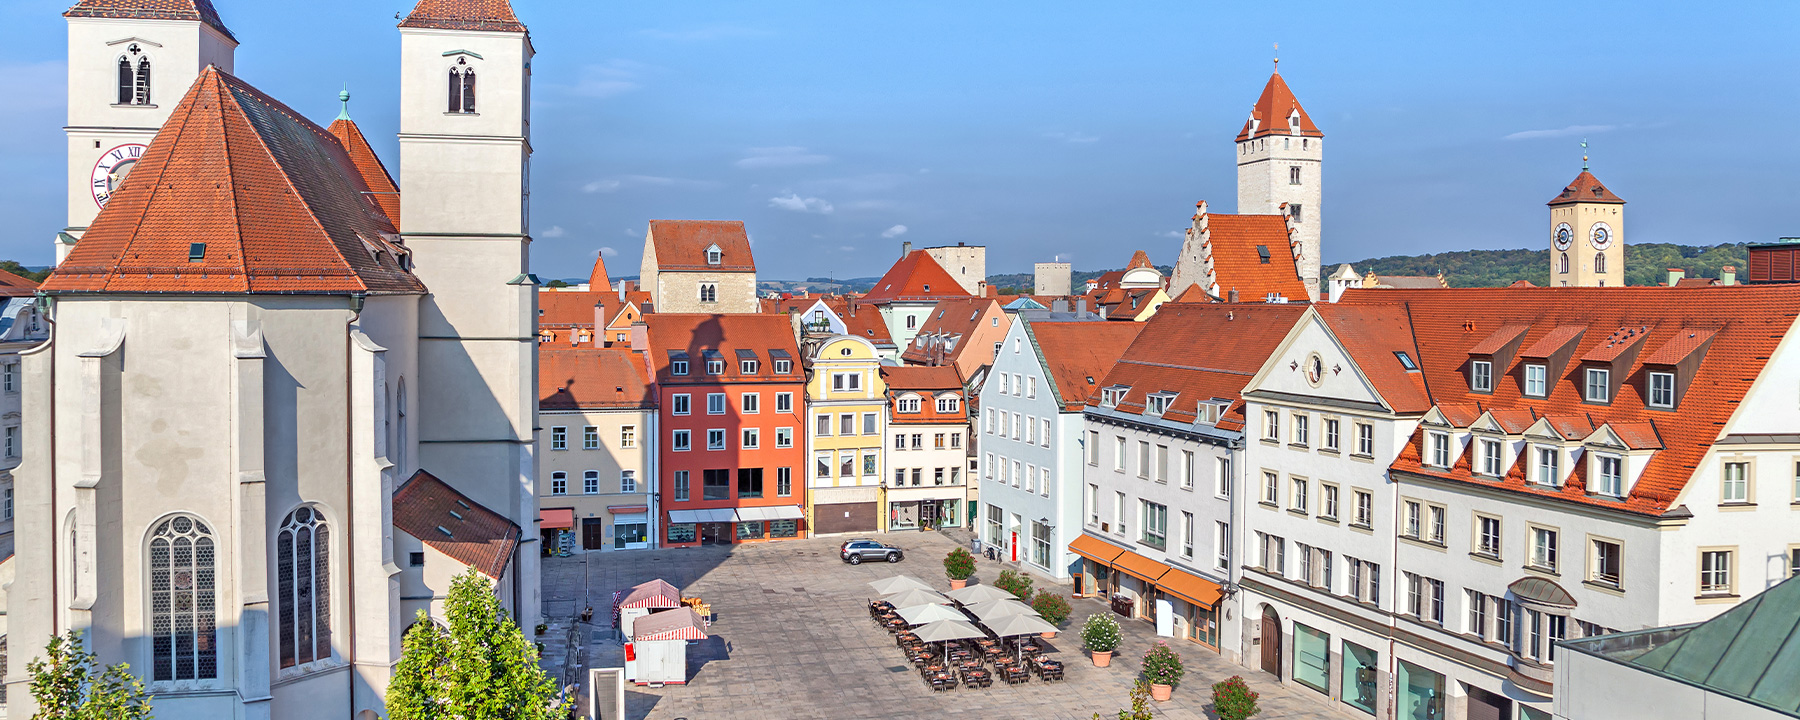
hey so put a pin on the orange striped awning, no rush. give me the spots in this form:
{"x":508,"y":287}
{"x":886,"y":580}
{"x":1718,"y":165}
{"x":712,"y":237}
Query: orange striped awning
{"x":1139,"y":567}
{"x":1095,"y":549}
{"x":1190,"y":587}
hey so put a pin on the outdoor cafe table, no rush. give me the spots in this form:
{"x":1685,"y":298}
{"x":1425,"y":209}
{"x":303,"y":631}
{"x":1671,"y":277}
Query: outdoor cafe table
{"x":977,"y":677}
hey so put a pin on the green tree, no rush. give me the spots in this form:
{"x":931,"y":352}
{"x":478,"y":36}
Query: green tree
{"x":557,"y":284}
{"x":21,"y":271}
{"x":483,"y":668}
{"x":66,"y":687}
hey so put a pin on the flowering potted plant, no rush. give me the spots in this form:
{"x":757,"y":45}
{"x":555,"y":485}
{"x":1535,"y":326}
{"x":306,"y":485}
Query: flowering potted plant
{"x":1100,"y":635}
{"x":959,"y":565}
{"x":1233,"y":700}
{"x":1017,"y":583}
{"x":1163,"y":668}
{"x":1051,"y":607}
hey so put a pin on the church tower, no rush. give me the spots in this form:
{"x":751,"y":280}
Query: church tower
{"x":465,"y":163}
{"x":1280,"y":171}
{"x":129,"y":63}
{"x":1587,"y":234}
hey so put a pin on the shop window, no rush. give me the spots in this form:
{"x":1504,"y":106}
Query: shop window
{"x":1360,"y":677}
{"x":1312,"y":658}
{"x":1421,"y":693}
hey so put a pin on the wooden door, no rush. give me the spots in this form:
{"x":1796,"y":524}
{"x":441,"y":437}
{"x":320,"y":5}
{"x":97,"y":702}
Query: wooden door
{"x":1271,"y":642}
{"x":593,"y":533}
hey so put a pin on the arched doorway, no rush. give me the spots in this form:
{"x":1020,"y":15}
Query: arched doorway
{"x":1271,"y":641}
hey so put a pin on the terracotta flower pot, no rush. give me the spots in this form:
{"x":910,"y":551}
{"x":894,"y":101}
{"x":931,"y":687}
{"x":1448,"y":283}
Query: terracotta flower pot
{"x":958,"y":584}
{"x":1102,"y":659}
{"x":1050,"y":634}
{"x":1161,"y":693}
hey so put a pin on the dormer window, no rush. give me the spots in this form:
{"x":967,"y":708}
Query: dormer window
{"x":1112,"y":396}
{"x":948,"y":404}
{"x":678,"y":367}
{"x":749,"y":367}
{"x":715,"y":367}
{"x":1536,"y":380}
{"x":1598,"y":389}
{"x":1490,"y":458}
{"x":783,"y":367}
{"x":1481,"y":376}
{"x":1548,"y":461}
{"x":1609,"y":475}
{"x":1661,"y":389}
{"x":714,"y":255}
{"x":1158,"y":403}
{"x":1440,"y":449}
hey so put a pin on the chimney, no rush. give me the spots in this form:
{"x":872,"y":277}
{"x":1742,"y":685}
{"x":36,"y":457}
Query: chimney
{"x":991,"y":291}
{"x":852,"y":305}
{"x":1728,"y":275}
{"x":1081,"y":307}
{"x":1233,"y":295}
{"x":622,"y":292}
{"x":1675,"y":276}
{"x":1059,"y":305}
{"x":640,"y":337}
{"x":905,"y":248}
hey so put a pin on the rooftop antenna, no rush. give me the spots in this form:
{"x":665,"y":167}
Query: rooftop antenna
{"x":1584,"y":155}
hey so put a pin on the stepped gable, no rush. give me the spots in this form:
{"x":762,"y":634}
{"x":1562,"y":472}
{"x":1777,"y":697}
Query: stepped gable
{"x":485,"y":15}
{"x":197,"y":10}
{"x":239,"y":194}
{"x":369,"y":166}
{"x":1726,"y":334}
{"x":1269,"y":116}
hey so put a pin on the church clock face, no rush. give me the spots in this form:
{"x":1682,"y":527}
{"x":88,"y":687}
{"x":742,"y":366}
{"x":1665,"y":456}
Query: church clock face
{"x":1564,"y":236}
{"x":111,"y":170}
{"x":1601,"y":236}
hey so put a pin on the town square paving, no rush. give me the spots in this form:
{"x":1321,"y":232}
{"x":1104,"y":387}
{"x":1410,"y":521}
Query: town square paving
{"x":792,"y":641}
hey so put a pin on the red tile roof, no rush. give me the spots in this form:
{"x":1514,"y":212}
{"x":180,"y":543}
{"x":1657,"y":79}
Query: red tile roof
{"x":1074,"y":352}
{"x":1200,"y":352}
{"x":1408,"y":281}
{"x":485,"y":15}
{"x":591,"y":378}
{"x":197,"y":10}
{"x":1679,"y":347}
{"x":1269,"y":116}
{"x":962,"y":317}
{"x":597,"y":279}
{"x":1585,"y":188}
{"x":681,"y":245}
{"x":1498,"y":341}
{"x":448,"y":521}
{"x":921,"y":377}
{"x":915,"y":277}
{"x":1237,"y":243}
{"x":569,"y":307}
{"x":1742,"y":324}
{"x":1371,"y":334}
{"x":1140,"y":259}
{"x":273,"y":201}
{"x":16,"y":286}
{"x":368,"y":165}
{"x":698,"y":336}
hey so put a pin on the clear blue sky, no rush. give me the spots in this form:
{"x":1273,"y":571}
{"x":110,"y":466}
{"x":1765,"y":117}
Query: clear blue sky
{"x":1086,"y":130}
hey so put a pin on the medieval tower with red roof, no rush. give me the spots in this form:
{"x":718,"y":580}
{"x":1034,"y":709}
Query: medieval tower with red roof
{"x":1587,"y":234}
{"x":1280,"y":172}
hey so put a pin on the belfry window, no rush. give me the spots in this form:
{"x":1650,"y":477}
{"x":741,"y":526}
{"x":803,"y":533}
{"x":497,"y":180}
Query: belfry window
{"x":134,"y":78}
{"x":462,"y":87}
{"x":182,"y":615}
{"x":302,"y":557}
{"x":1562,"y":264}
{"x":1599,"y":262}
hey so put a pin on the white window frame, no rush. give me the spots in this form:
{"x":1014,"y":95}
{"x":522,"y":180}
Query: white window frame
{"x":1537,"y":380}
{"x":1660,"y":390}
{"x":1598,"y":388}
{"x":1481,"y":376}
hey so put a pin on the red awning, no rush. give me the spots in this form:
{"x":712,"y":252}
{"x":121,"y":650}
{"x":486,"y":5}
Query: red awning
{"x":556,"y":518}
{"x":627,"y":509}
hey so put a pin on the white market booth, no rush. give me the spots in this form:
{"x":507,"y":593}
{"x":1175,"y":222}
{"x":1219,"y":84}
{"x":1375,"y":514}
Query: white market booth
{"x":645,"y":599}
{"x":657,"y":653}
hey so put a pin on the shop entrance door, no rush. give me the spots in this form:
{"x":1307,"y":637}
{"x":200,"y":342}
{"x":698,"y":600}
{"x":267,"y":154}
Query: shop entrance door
{"x":1271,"y":641}
{"x":715,"y":533}
{"x":928,"y":514}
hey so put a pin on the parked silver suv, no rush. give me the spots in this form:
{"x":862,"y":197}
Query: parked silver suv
{"x":860,"y":549}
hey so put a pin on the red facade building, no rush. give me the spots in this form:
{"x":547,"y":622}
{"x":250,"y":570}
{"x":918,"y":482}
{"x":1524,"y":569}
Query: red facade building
{"x":732,"y":425}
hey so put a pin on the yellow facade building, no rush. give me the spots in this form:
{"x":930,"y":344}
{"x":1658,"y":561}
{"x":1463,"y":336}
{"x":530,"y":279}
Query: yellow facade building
{"x":847,"y":404}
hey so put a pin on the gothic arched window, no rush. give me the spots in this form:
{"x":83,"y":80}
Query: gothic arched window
{"x":182,"y":578}
{"x":462,"y":87}
{"x":1562,"y":265}
{"x":127,"y":85}
{"x":134,"y":78}
{"x":1599,"y":262}
{"x":303,"y":587}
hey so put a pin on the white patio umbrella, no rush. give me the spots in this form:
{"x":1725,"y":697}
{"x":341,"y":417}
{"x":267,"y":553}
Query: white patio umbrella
{"x":1000,"y":608}
{"x":898,"y":583}
{"x":1015,"y":625}
{"x":944,"y":631}
{"x":915,"y":596}
{"x":923,"y":614}
{"x":975,"y":594}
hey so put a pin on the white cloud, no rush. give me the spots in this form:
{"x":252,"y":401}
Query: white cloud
{"x":702,"y":34}
{"x":1072,"y":137}
{"x":620,"y":182}
{"x":785,"y":156}
{"x":799,"y":204}
{"x":1569,"y":131}
{"x":1178,"y":234}
{"x":847,"y":248}
{"x":555,"y":231}
{"x":607,"y":252}
{"x":894,"y":232}
{"x":604,"y":80}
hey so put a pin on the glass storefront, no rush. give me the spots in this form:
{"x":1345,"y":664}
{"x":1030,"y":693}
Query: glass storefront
{"x":631,"y":535}
{"x":784,"y":528}
{"x":749,"y":530}
{"x":1421,"y":693}
{"x":681,"y":532}
{"x":1359,"y":677}
{"x":1312,"y":658}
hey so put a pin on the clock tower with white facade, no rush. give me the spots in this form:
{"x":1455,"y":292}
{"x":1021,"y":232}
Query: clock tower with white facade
{"x":129,"y":63}
{"x":1587,"y":235}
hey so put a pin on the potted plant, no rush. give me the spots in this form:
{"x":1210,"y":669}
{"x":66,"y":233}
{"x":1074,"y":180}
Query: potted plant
{"x":1017,"y":583}
{"x":542,"y":628}
{"x":1163,"y":668}
{"x":1100,"y":635}
{"x":1052,"y":607}
{"x":1233,"y":700}
{"x":959,"y":565}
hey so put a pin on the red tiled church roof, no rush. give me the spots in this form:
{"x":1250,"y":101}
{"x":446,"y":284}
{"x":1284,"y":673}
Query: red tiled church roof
{"x":448,"y":521}
{"x":239,"y":194}
{"x":486,"y":15}
{"x":198,"y":10}
{"x":681,"y":245}
{"x":915,"y":277}
{"x":1269,"y":116}
{"x":1585,"y":188}
{"x":374,"y":174}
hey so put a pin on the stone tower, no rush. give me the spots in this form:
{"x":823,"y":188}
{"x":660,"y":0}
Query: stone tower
{"x":1280,"y":171}
{"x":129,"y":64}
{"x":1587,"y":235}
{"x":465,"y":154}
